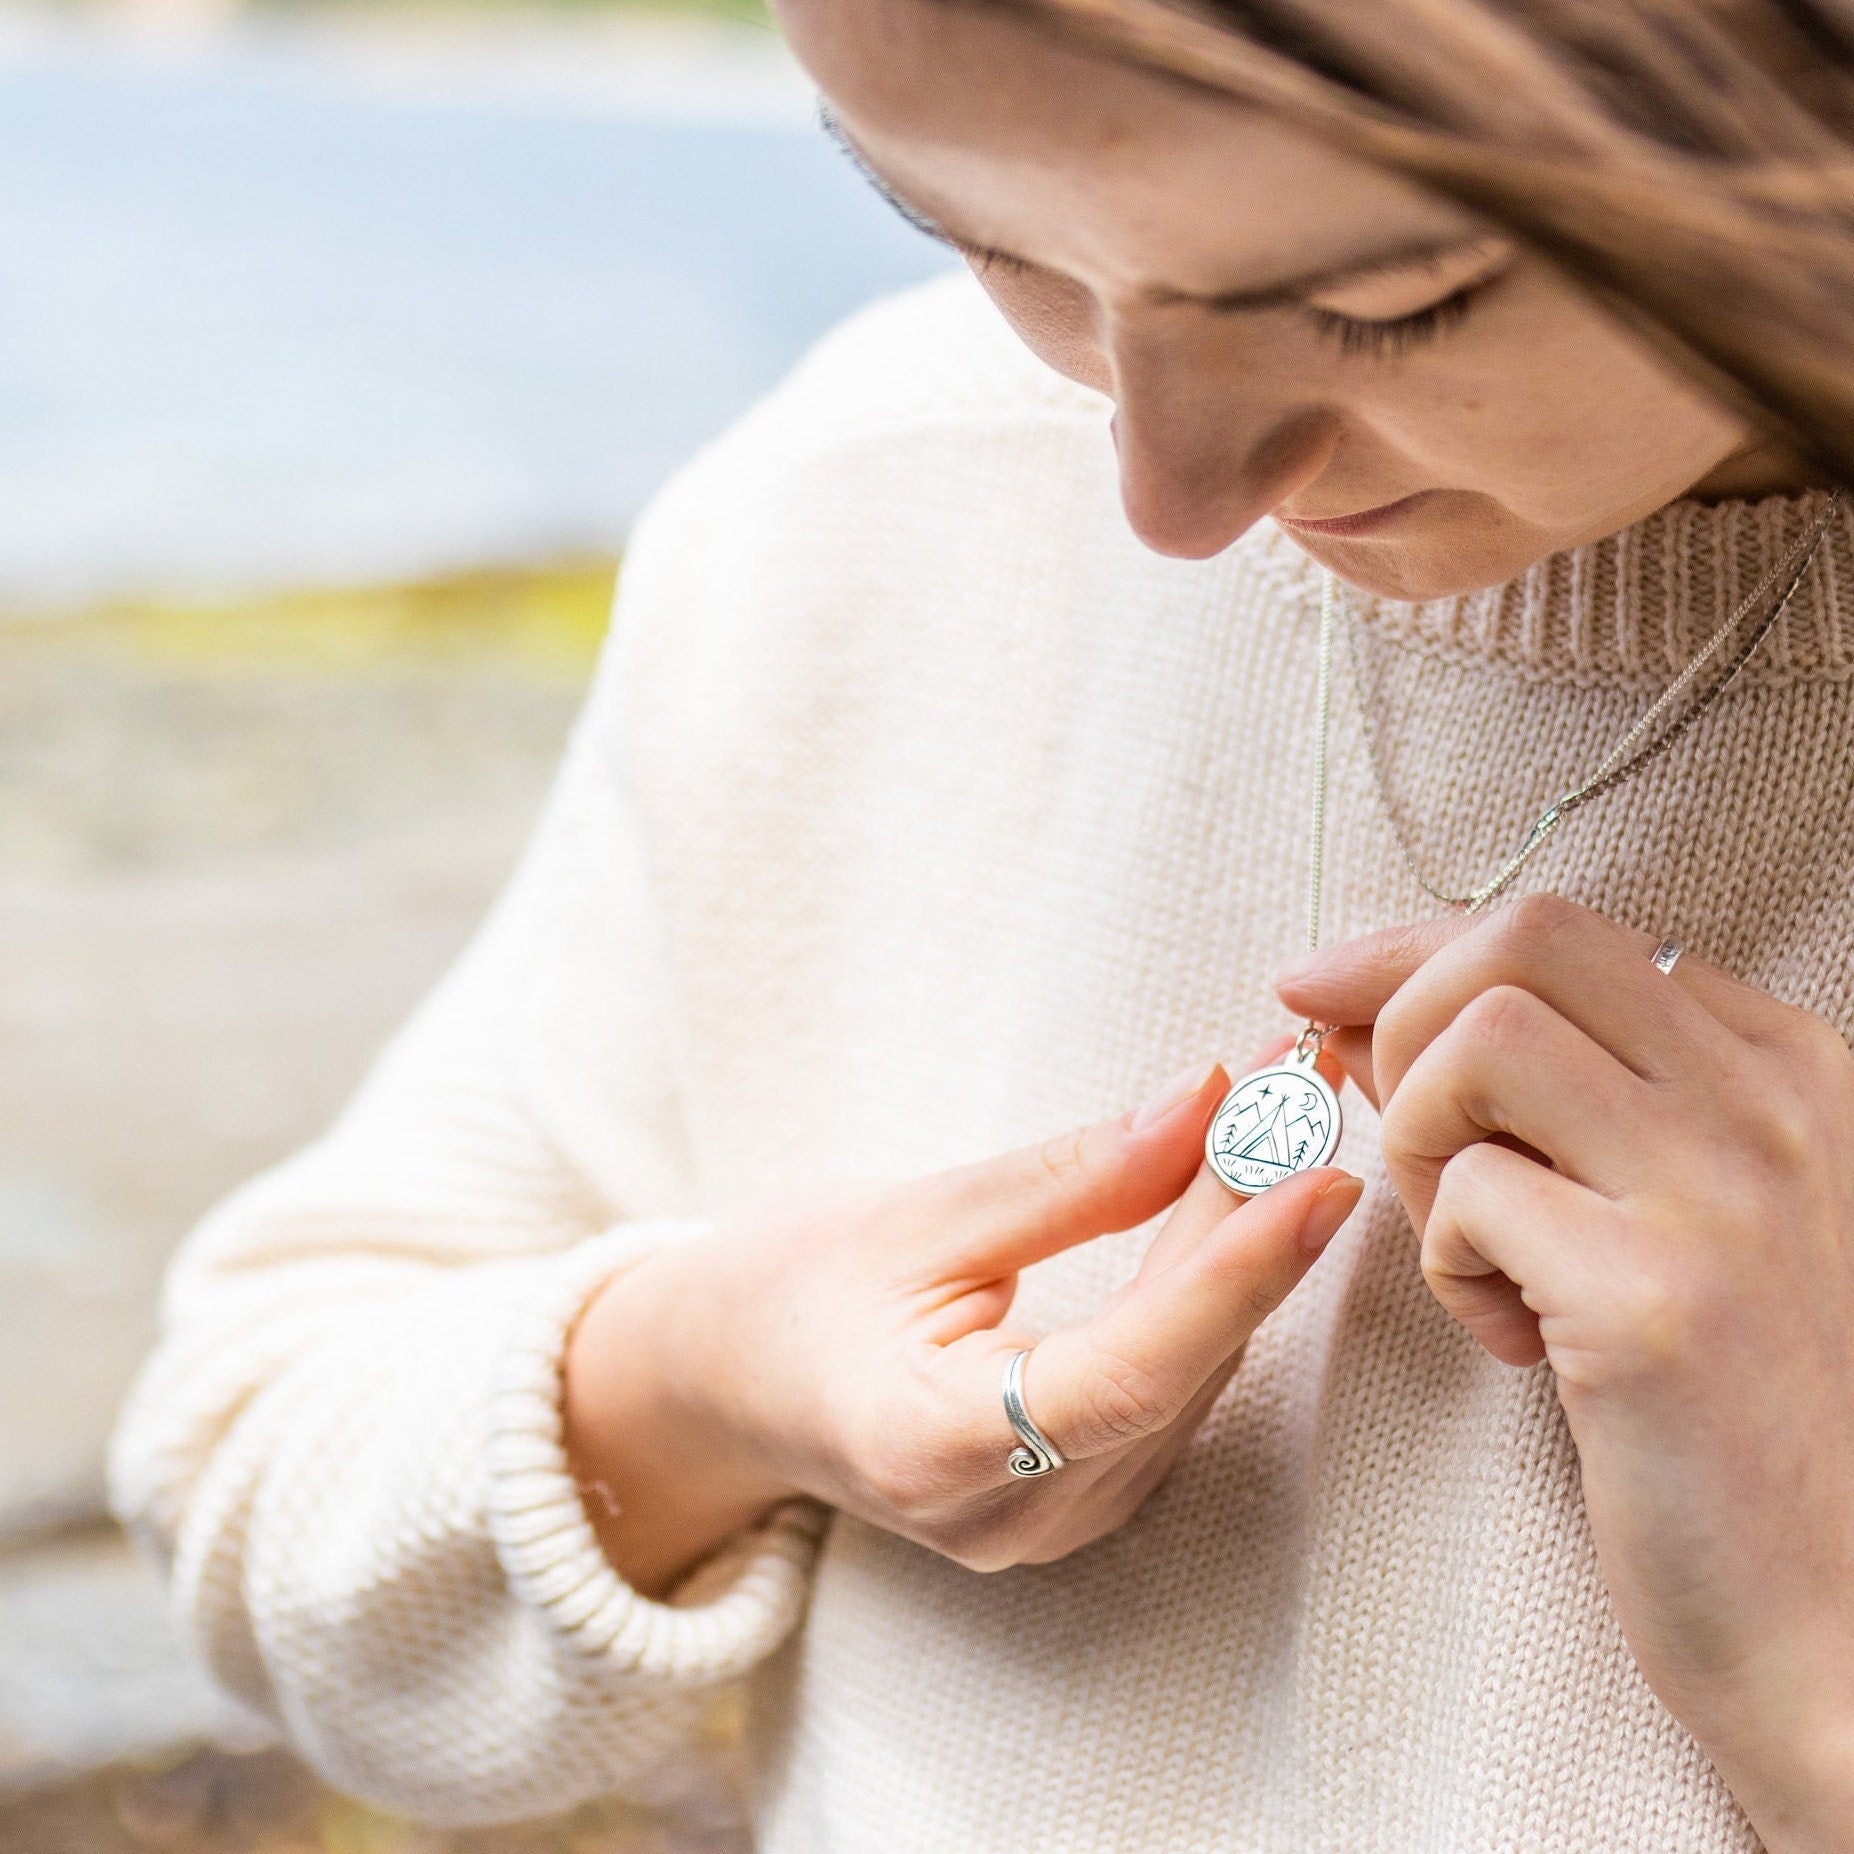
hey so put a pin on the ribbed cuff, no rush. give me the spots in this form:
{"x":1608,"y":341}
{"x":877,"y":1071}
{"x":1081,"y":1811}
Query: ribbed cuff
{"x":730,"y":1613}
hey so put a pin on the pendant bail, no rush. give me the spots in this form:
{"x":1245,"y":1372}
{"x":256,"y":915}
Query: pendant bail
{"x":1310,"y":1042}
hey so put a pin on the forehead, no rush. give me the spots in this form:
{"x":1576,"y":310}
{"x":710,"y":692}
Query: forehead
{"x":1092,"y":166}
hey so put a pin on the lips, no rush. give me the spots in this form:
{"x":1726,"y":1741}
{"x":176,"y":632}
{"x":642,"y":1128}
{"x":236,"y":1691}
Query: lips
{"x":1361,"y":521}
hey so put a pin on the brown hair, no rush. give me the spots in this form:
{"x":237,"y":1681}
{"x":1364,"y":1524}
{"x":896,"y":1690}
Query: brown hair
{"x":1691,"y":162}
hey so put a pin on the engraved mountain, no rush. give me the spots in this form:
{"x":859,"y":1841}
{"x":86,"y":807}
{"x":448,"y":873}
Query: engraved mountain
{"x":1277,"y":1126}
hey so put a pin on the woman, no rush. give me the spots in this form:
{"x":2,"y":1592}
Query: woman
{"x":948,"y":783}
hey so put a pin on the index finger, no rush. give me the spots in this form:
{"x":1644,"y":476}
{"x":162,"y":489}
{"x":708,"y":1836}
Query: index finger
{"x":1003,"y":1214}
{"x":1352,"y":983}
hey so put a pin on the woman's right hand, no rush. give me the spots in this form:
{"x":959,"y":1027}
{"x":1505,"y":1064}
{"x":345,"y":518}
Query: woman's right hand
{"x":852,"y":1346}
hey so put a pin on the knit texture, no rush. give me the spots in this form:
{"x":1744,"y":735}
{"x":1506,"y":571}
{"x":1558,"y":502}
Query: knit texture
{"x":919,"y":812}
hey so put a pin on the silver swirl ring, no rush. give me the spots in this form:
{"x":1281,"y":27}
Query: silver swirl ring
{"x":1666,"y":956}
{"x":1038,"y":1455}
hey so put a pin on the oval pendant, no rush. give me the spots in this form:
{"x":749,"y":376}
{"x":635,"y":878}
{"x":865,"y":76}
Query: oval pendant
{"x":1278,"y":1121}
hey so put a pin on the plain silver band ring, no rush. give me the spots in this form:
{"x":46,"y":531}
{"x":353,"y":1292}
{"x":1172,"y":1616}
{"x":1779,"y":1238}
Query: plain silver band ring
{"x":1666,"y":955}
{"x":1038,"y":1455}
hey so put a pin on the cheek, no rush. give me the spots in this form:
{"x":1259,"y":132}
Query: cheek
{"x":1558,"y":415}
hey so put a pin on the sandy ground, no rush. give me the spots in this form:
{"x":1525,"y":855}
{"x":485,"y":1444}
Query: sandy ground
{"x":214,"y":1802}
{"x":233,"y":855}
{"x":265,"y":1803}
{"x":110,"y":1743}
{"x":235,"y":849}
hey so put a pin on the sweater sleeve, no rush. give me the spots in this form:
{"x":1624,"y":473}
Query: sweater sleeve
{"x":347,"y":1445}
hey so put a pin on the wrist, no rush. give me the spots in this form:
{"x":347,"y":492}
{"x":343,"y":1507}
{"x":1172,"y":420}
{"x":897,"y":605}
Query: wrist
{"x":665,"y":1473}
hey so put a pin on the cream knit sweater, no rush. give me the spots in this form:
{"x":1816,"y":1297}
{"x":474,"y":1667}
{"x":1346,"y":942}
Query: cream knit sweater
{"x":919,"y":812}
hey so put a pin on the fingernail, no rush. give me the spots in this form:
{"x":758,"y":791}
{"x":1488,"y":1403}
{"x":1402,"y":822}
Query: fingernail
{"x":1174,"y":1094}
{"x":1330,"y":1210}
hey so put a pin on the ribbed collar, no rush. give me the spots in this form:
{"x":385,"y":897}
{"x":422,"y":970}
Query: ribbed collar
{"x":1634,"y":608}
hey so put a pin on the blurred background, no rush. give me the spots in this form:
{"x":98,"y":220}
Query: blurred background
{"x":340,"y":344}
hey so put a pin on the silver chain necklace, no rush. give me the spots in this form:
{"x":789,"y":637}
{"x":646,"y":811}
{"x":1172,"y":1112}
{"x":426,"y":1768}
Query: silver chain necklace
{"x":1285,"y":1118}
{"x":1653,"y":734}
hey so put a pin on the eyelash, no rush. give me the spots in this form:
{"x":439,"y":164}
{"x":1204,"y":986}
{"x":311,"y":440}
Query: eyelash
{"x":1357,"y":336}
{"x":988,"y":261}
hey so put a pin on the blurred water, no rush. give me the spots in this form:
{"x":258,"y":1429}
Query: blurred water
{"x":270,"y":315}
{"x":314,"y":301}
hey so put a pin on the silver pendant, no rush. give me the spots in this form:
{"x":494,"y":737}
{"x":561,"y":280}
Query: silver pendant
{"x":1278,"y":1121}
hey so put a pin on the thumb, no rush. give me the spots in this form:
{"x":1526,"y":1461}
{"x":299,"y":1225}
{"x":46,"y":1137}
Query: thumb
{"x":996,"y":1217}
{"x":1136,"y":1365}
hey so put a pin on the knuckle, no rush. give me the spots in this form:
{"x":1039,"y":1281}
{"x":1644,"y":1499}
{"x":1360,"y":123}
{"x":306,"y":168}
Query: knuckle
{"x":1457,"y":1186}
{"x":1433,"y":1257}
{"x":1501,"y":1017}
{"x":1399,"y":1130}
{"x":899,"y":1484}
{"x":905,"y":1473}
{"x":1259,"y":1298}
{"x":1782,"y":1129}
{"x":1453,"y":1192}
{"x":1667,"y":1303}
{"x":1824,"y":1048}
{"x":1540,"y":920}
{"x":1650,"y":1323}
{"x":1250,"y":1290}
{"x":1064,"y":1159}
{"x":1256,"y":1299}
{"x":1123,"y":1401}
{"x":1393,"y":1037}
{"x":1778,"y":1104}
{"x":1466,"y":1173}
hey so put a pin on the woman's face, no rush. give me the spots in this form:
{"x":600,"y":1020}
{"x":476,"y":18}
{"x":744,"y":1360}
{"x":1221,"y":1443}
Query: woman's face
{"x":1283,"y":330}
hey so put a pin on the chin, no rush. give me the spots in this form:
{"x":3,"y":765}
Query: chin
{"x":1445,"y":565}
{"x":1415,"y":583}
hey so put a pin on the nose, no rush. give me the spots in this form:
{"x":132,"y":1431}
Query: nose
{"x":1206,"y":446}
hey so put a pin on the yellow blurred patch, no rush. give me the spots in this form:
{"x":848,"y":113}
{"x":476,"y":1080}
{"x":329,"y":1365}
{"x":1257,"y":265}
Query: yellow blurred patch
{"x":547,"y":620}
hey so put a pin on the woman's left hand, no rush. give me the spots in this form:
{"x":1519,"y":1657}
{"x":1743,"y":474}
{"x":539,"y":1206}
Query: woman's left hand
{"x":1648,"y":1179}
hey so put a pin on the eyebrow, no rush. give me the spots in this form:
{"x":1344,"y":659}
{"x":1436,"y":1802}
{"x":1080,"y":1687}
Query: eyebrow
{"x":1288,"y":290}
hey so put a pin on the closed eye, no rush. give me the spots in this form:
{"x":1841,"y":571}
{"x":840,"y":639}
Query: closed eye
{"x":1396,"y":334}
{"x":1403,"y":319}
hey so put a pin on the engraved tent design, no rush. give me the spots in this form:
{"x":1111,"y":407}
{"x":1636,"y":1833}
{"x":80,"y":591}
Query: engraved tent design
{"x":1275,"y":1129}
